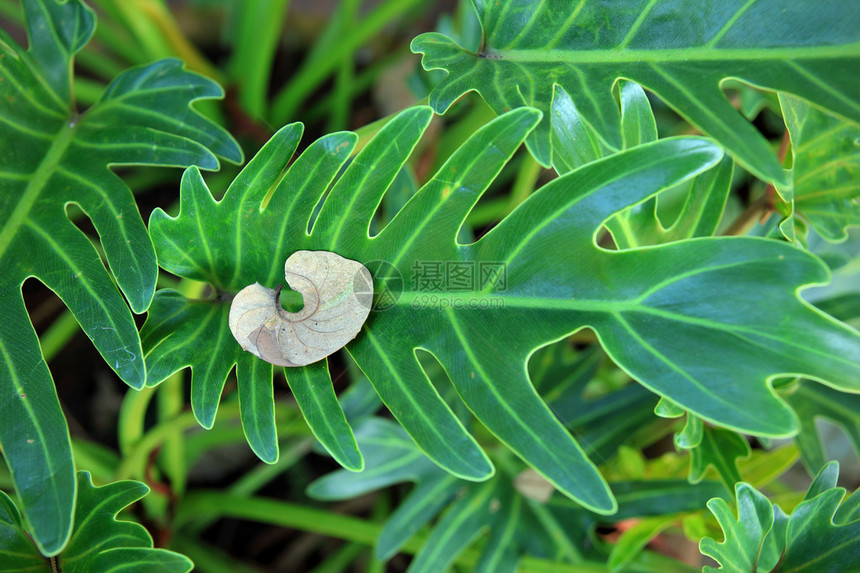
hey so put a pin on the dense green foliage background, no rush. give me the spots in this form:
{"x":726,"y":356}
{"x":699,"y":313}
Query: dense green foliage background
{"x":668,"y":199}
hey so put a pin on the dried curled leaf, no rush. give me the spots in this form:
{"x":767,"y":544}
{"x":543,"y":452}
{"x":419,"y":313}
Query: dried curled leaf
{"x":337,"y":293}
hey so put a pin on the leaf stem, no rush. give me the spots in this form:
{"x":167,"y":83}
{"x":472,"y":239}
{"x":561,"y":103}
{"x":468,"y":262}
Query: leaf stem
{"x":762,"y":208}
{"x":210,"y":504}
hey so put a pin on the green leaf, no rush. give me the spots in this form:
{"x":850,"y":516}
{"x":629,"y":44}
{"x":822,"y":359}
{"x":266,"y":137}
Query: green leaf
{"x":812,"y":401}
{"x":99,"y":542}
{"x":763,"y":538}
{"x":744,"y":536}
{"x":561,"y":375}
{"x":457,"y":528}
{"x":16,"y":549}
{"x":719,"y":448}
{"x":634,"y":540}
{"x":826,"y":168}
{"x":392,"y":458}
{"x":682,"y":55}
{"x":676,"y":317}
{"x":665,"y":408}
{"x":52,"y":155}
{"x":703,"y":198}
{"x":691,"y":435}
{"x":424,"y":502}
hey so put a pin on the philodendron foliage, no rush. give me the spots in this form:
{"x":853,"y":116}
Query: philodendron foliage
{"x":676,"y":316}
{"x":682,"y":55}
{"x":819,"y":535}
{"x":98,"y":542}
{"x":51,"y":155}
{"x":613,"y":267}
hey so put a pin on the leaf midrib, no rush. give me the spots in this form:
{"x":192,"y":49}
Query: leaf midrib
{"x":680,"y":55}
{"x":36,"y":185}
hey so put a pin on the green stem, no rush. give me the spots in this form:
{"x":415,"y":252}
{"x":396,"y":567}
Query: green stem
{"x":257,"y":35}
{"x":207,"y":558}
{"x":315,"y":70}
{"x":133,"y":464}
{"x":136,"y":452}
{"x":262,"y":474}
{"x":58,"y":334}
{"x":170,"y":399}
{"x":214,"y":504}
{"x":524,"y":183}
{"x":362,"y":82}
{"x":131,"y":417}
{"x":339,"y":114}
{"x":341,"y":559}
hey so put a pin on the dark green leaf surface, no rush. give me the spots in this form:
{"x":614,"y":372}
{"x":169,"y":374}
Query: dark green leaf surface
{"x":744,"y":535}
{"x":763,"y":538}
{"x":99,"y":542}
{"x":391,"y":457}
{"x":704,"y":197}
{"x":718,"y":448}
{"x":50,"y":156}
{"x":825,"y":175}
{"x":812,"y":401}
{"x":659,"y":312}
{"x":683,"y":54}
{"x":469,"y":508}
{"x":16,"y":550}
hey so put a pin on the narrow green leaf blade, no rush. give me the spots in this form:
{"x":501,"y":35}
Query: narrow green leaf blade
{"x":424,"y":502}
{"x":460,"y":524}
{"x":257,"y":406}
{"x":314,"y":393}
{"x":36,"y":442}
{"x":634,"y":540}
{"x":390,"y":457}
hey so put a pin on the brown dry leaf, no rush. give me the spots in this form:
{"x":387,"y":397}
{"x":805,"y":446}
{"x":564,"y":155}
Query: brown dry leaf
{"x":338,"y":294}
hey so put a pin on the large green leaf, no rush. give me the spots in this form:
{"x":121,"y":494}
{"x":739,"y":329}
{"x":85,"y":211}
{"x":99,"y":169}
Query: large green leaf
{"x":52,"y":155}
{"x":99,"y":541}
{"x":812,"y":401}
{"x":465,"y":509}
{"x":702,"y":199}
{"x":677,"y":317}
{"x":762,"y":538}
{"x":679,"y":51}
{"x":825,"y":174}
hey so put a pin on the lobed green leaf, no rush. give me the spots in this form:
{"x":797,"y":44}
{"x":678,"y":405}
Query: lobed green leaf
{"x":50,"y":156}
{"x":660,"y":312}
{"x":99,"y":541}
{"x":683,"y":55}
